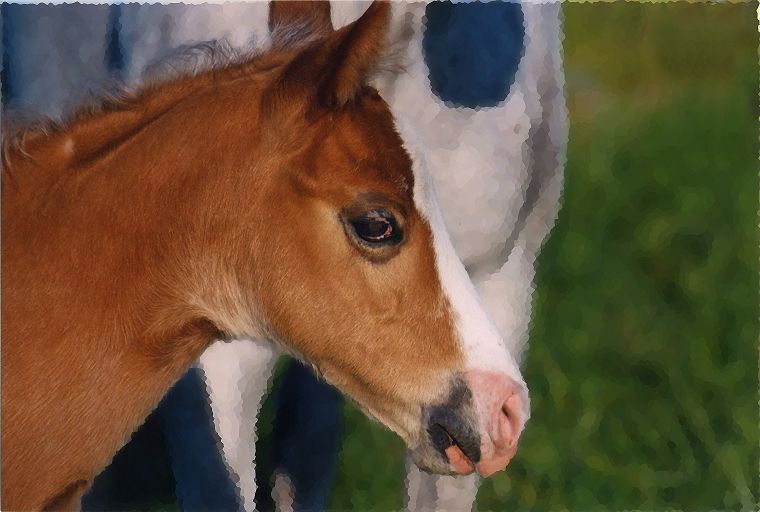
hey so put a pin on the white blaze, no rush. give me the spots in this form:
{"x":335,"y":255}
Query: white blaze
{"x":482,"y":345}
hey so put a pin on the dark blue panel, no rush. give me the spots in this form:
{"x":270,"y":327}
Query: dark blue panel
{"x":114,"y":49}
{"x":307,"y":435}
{"x":8,"y":12}
{"x":472,"y":51}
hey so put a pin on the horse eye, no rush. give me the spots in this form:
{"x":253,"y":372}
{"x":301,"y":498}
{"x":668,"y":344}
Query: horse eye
{"x":377,"y":227}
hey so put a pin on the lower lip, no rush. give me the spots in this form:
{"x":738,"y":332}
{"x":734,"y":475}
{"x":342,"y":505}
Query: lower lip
{"x":458,"y":461}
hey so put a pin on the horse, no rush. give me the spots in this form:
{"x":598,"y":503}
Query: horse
{"x":532,"y":165}
{"x":497,"y":168}
{"x":298,"y":216}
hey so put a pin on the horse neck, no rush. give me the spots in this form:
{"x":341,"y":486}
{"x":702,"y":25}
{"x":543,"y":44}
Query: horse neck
{"x":130,"y":258}
{"x":145,"y":197}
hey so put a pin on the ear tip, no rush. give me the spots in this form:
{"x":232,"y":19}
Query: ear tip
{"x":341,"y":64}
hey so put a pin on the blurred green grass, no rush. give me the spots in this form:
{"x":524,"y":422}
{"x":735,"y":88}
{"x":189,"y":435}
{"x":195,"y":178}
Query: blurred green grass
{"x":643,"y":352}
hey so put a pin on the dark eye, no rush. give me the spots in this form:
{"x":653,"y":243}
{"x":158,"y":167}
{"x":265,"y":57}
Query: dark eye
{"x":377,"y":227}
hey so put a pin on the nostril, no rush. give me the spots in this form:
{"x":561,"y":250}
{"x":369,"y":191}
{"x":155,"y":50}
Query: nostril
{"x":511,"y":421}
{"x":502,"y":406}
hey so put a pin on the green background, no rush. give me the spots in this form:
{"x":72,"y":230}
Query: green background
{"x":643,"y":351}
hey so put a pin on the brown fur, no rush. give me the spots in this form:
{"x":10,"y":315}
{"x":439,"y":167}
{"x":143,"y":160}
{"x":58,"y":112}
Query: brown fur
{"x":203,"y":208}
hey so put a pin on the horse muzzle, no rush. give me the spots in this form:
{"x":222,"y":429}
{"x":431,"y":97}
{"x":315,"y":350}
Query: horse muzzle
{"x":477,"y":428}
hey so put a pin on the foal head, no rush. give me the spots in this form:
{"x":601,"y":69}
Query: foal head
{"x":356,"y":272}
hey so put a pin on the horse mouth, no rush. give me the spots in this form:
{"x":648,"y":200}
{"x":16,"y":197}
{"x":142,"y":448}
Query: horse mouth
{"x":462,"y":456}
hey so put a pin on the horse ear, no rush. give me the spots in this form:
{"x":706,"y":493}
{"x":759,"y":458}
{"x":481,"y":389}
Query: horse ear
{"x":296,"y":22}
{"x":330,"y":70}
{"x":354,"y":53}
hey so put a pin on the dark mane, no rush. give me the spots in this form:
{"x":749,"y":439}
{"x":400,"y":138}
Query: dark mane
{"x":216,"y":58}
{"x":186,"y":62}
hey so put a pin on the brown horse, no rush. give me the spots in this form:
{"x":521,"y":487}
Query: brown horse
{"x":269,"y":198}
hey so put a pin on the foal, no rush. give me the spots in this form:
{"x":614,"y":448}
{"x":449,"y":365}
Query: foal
{"x":297,"y":216}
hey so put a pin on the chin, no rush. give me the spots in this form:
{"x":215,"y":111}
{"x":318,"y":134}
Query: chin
{"x":430,"y":460}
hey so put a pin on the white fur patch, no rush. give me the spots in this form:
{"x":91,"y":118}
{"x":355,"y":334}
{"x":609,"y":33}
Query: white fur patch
{"x":237,"y":375}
